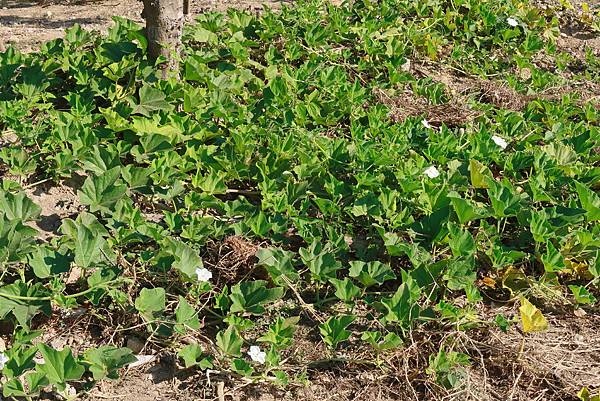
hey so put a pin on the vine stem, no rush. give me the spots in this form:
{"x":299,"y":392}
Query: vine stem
{"x":78,"y":294}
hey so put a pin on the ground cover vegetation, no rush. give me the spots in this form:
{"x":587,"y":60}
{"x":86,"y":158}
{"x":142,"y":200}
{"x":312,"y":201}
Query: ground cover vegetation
{"x":360,"y":178}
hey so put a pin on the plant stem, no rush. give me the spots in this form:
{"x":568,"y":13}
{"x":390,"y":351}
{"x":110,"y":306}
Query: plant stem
{"x":78,"y":294}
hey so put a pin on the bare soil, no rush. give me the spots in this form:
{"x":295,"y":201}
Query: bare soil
{"x":29,"y":23}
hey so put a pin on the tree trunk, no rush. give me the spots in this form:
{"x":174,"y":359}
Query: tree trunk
{"x":164,"y":26}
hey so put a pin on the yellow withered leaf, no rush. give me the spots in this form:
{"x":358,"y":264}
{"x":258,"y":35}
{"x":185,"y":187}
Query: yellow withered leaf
{"x":532,"y":318}
{"x":489,"y":282}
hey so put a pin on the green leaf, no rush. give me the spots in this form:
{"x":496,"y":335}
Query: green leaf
{"x":151,"y":302}
{"x":186,"y":317}
{"x":505,"y":199}
{"x":345,"y":289}
{"x":192,"y":356}
{"x":553,"y":260}
{"x":479,"y":174}
{"x":46,"y":262}
{"x":371,"y":273}
{"x":334,"y":330}
{"x":16,"y":240}
{"x":23,"y":310}
{"x":14,"y":388}
{"x":18,"y":207}
{"x":582,"y":295}
{"x":250,"y":296}
{"x":89,"y":247}
{"x":102,"y":193}
{"x":151,"y":100}
{"x":187,"y":259}
{"x":230,"y":342}
{"x":242,"y":367}
{"x":391,"y":340}
{"x":590,"y":201}
{"x":402,"y":307}
{"x":320,"y":262}
{"x":278,"y":264}
{"x":105,"y":361}
{"x":281,"y":332}
{"x":467,"y":210}
{"x":540,"y":227}
{"x":59,"y":366}
{"x":585,"y":395}
{"x":461,"y":241}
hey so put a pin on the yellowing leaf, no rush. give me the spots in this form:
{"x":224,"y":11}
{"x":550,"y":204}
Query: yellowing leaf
{"x":532,"y":318}
{"x":514,"y":280}
{"x":488,"y":281}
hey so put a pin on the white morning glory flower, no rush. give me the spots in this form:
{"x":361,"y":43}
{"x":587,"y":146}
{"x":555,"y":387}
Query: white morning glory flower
{"x":431,"y":172}
{"x":500,"y":141}
{"x":256,"y":354}
{"x":203,"y":274}
{"x":3,"y":360}
{"x":512,"y":22}
{"x":426,"y":124}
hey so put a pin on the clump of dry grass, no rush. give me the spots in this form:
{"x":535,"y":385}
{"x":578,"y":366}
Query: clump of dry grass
{"x":409,"y":105}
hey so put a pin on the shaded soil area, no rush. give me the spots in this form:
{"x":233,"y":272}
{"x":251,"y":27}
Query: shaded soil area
{"x":27,"y":23}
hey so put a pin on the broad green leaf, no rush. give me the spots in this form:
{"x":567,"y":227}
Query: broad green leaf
{"x":89,"y":247}
{"x":320,"y":261}
{"x":278,"y":264}
{"x":18,"y":207}
{"x":105,"y":361}
{"x":193,"y":355}
{"x":582,"y":295}
{"x":281,"y":332}
{"x":250,"y":296}
{"x":540,"y":227}
{"x":479,"y":174}
{"x":371,"y":273}
{"x":151,"y":100}
{"x":345,"y":289}
{"x":380,"y":342}
{"x":186,"y":317}
{"x":102,"y":193}
{"x":334,"y":330}
{"x":230,"y":342}
{"x":59,"y":366}
{"x":553,"y":260}
{"x":467,"y":210}
{"x":151,"y":301}
{"x":23,"y":310}
{"x":45,"y":262}
{"x":187,"y":260}
{"x":590,"y":201}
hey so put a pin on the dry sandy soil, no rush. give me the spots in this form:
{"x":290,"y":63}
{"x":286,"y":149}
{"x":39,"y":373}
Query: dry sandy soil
{"x":28,"y":23}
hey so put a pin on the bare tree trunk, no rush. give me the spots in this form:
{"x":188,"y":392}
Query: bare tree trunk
{"x":164,"y":26}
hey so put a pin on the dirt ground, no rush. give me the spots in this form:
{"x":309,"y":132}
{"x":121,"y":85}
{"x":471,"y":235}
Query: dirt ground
{"x":28,"y":23}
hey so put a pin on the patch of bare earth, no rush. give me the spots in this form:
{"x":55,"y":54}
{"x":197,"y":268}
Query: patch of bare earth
{"x":29,"y":23}
{"x":58,"y":201}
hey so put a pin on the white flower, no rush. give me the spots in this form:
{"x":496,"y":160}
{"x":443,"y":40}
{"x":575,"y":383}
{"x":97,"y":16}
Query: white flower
{"x":426,"y":124}
{"x":431,"y":172}
{"x":256,"y":354}
{"x":203,"y":274}
{"x":500,"y":141}
{"x":3,"y":360}
{"x":512,"y":22}
{"x":406,"y":66}
{"x":70,"y":391}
